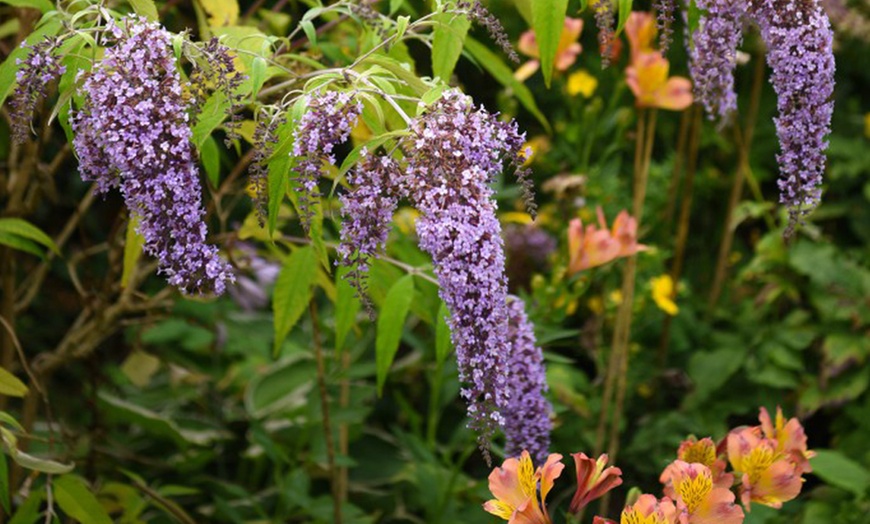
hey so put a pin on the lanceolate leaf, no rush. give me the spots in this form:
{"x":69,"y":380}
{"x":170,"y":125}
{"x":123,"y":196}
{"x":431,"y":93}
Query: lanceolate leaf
{"x":132,"y":249}
{"x":548,"y":19}
{"x":76,"y":500}
{"x":624,"y":11}
{"x":293,"y":291}
{"x":391,"y":322}
{"x":442,"y":335}
{"x":23,"y":228}
{"x":447,"y":43}
{"x":43,"y":5}
{"x":10,"y":385}
{"x":501,"y":72}
{"x":347,"y":305}
{"x":145,"y":8}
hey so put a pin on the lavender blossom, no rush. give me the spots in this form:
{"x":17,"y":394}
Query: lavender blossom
{"x":367,"y":211}
{"x":218,"y":74}
{"x":479,"y":14}
{"x":454,"y":152}
{"x":132,"y":132}
{"x":527,"y":417}
{"x":713,"y":55}
{"x":327,"y":122}
{"x":35,"y":72}
{"x":603,"y":11}
{"x":265,"y":139}
{"x":799,"y":41}
{"x":665,"y":19}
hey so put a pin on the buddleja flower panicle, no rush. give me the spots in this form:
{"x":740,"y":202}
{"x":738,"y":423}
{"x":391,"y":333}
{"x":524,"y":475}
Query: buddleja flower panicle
{"x":327,"y":122}
{"x":665,"y":10}
{"x":603,"y":12}
{"x":367,"y":211}
{"x":713,"y":55}
{"x":800,"y":54}
{"x":35,"y":72}
{"x":479,"y":14}
{"x":265,"y":139}
{"x":217,"y":73}
{"x":133,"y":132}
{"x":453,"y":153}
{"x":527,"y":419}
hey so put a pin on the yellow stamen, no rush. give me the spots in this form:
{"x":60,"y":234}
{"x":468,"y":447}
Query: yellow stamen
{"x":528,"y":482}
{"x":632,"y":516}
{"x":757,"y":462}
{"x":700,"y":453}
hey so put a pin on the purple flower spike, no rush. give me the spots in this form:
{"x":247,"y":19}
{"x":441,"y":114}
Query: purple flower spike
{"x":367,"y":211}
{"x":39,"y":69}
{"x":713,"y":55}
{"x":453,"y":153}
{"x":527,"y":418}
{"x":326,"y":123}
{"x":665,"y":10}
{"x":800,"y":54}
{"x":132,"y":132}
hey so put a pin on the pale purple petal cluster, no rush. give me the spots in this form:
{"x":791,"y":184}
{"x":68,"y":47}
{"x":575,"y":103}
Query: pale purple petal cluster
{"x":713,"y":55}
{"x":799,"y":43}
{"x":527,"y":422}
{"x":367,"y":212}
{"x":453,"y":154}
{"x":665,"y":10}
{"x":218,"y":73}
{"x":35,"y":72}
{"x":327,"y":122}
{"x":132,"y":132}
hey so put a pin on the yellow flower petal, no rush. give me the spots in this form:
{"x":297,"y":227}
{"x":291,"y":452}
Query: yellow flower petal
{"x":663,"y":293}
{"x":582,"y":83}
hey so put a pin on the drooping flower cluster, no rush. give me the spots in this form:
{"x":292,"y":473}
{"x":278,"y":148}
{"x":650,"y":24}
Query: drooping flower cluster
{"x":665,"y":10}
{"x":217,"y":73}
{"x":479,"y":14}
{"x":768,"y":461}
{"x":133,"y":132}
{"x":603,"y":11}
{"x":265,"y":139}
{"x":713,"y":54}
{"x":327,"y":122}
{"x":367,"y":212}
{"x":527,"y":418}
{"x":35,"y":73}
{"x":453,"y":154}
{"x":799,"y":39}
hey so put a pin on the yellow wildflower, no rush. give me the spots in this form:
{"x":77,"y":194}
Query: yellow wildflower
{"x":581,"y":82}
{"x":663,"y":294}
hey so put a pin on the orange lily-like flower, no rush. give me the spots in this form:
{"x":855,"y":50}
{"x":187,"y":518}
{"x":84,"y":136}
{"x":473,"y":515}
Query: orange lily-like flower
{"x":647,"y":77}
{"x":640,"y":28}
{"x":566,"y":51}
{"x":593,"y":480}
{"x":767,"y":476}
{"x":515,"y":487}
{"x":704,"y":452}
{"x":790,"y":438}
{"x":699,"y":501}
{"x":649,"y":510}
{"x":596,"y":245}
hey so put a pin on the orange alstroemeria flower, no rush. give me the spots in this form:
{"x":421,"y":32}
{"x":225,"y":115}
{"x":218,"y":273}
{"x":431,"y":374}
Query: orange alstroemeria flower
{"x":699,"y":501}
{"x":702,"y":452}
{"x":647,"y":77}
{"x":640,"y":28}
{"x":566,"y":51}
{"x":593,"y":480}
{"x":790,"y":438}
{"x":649,"y":510}
{"x":515,"y":487}
{"x":768,"y":477}
{"x":596,"y":245}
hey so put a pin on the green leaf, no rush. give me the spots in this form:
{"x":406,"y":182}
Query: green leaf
{"x":10,"y":385}
{"x":442,"y":335}
{"x":401,"y":70}
{"x":21,"y":244}
{"x":709,"y":370}
{"x":447,"y":42}
{"x":838,"y":470}
{"x":213,"y":113}
{"x":51,"y":467}
{"x":23,"y":228}
{"x":282,"y":387}
{"x":548,"y":20}
{"x":211,"y":160}
{"x":503,"y":74}
{"x":293,"y":291}
{"x":308,"y":27}
{"x":43,"y":5}
{"x":624,"y":7}
{"x":28,"y":511}
{"x":694,"y":17}
{"x":9,"y":67}
{"x":76,"y":500}
{"x":258,"y":75}
{"x":391,"y":323}
{"x":4,"y":483}
{"x":347,"y":305}
{"x":133,"y":243}
{"x":145,"y":8}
